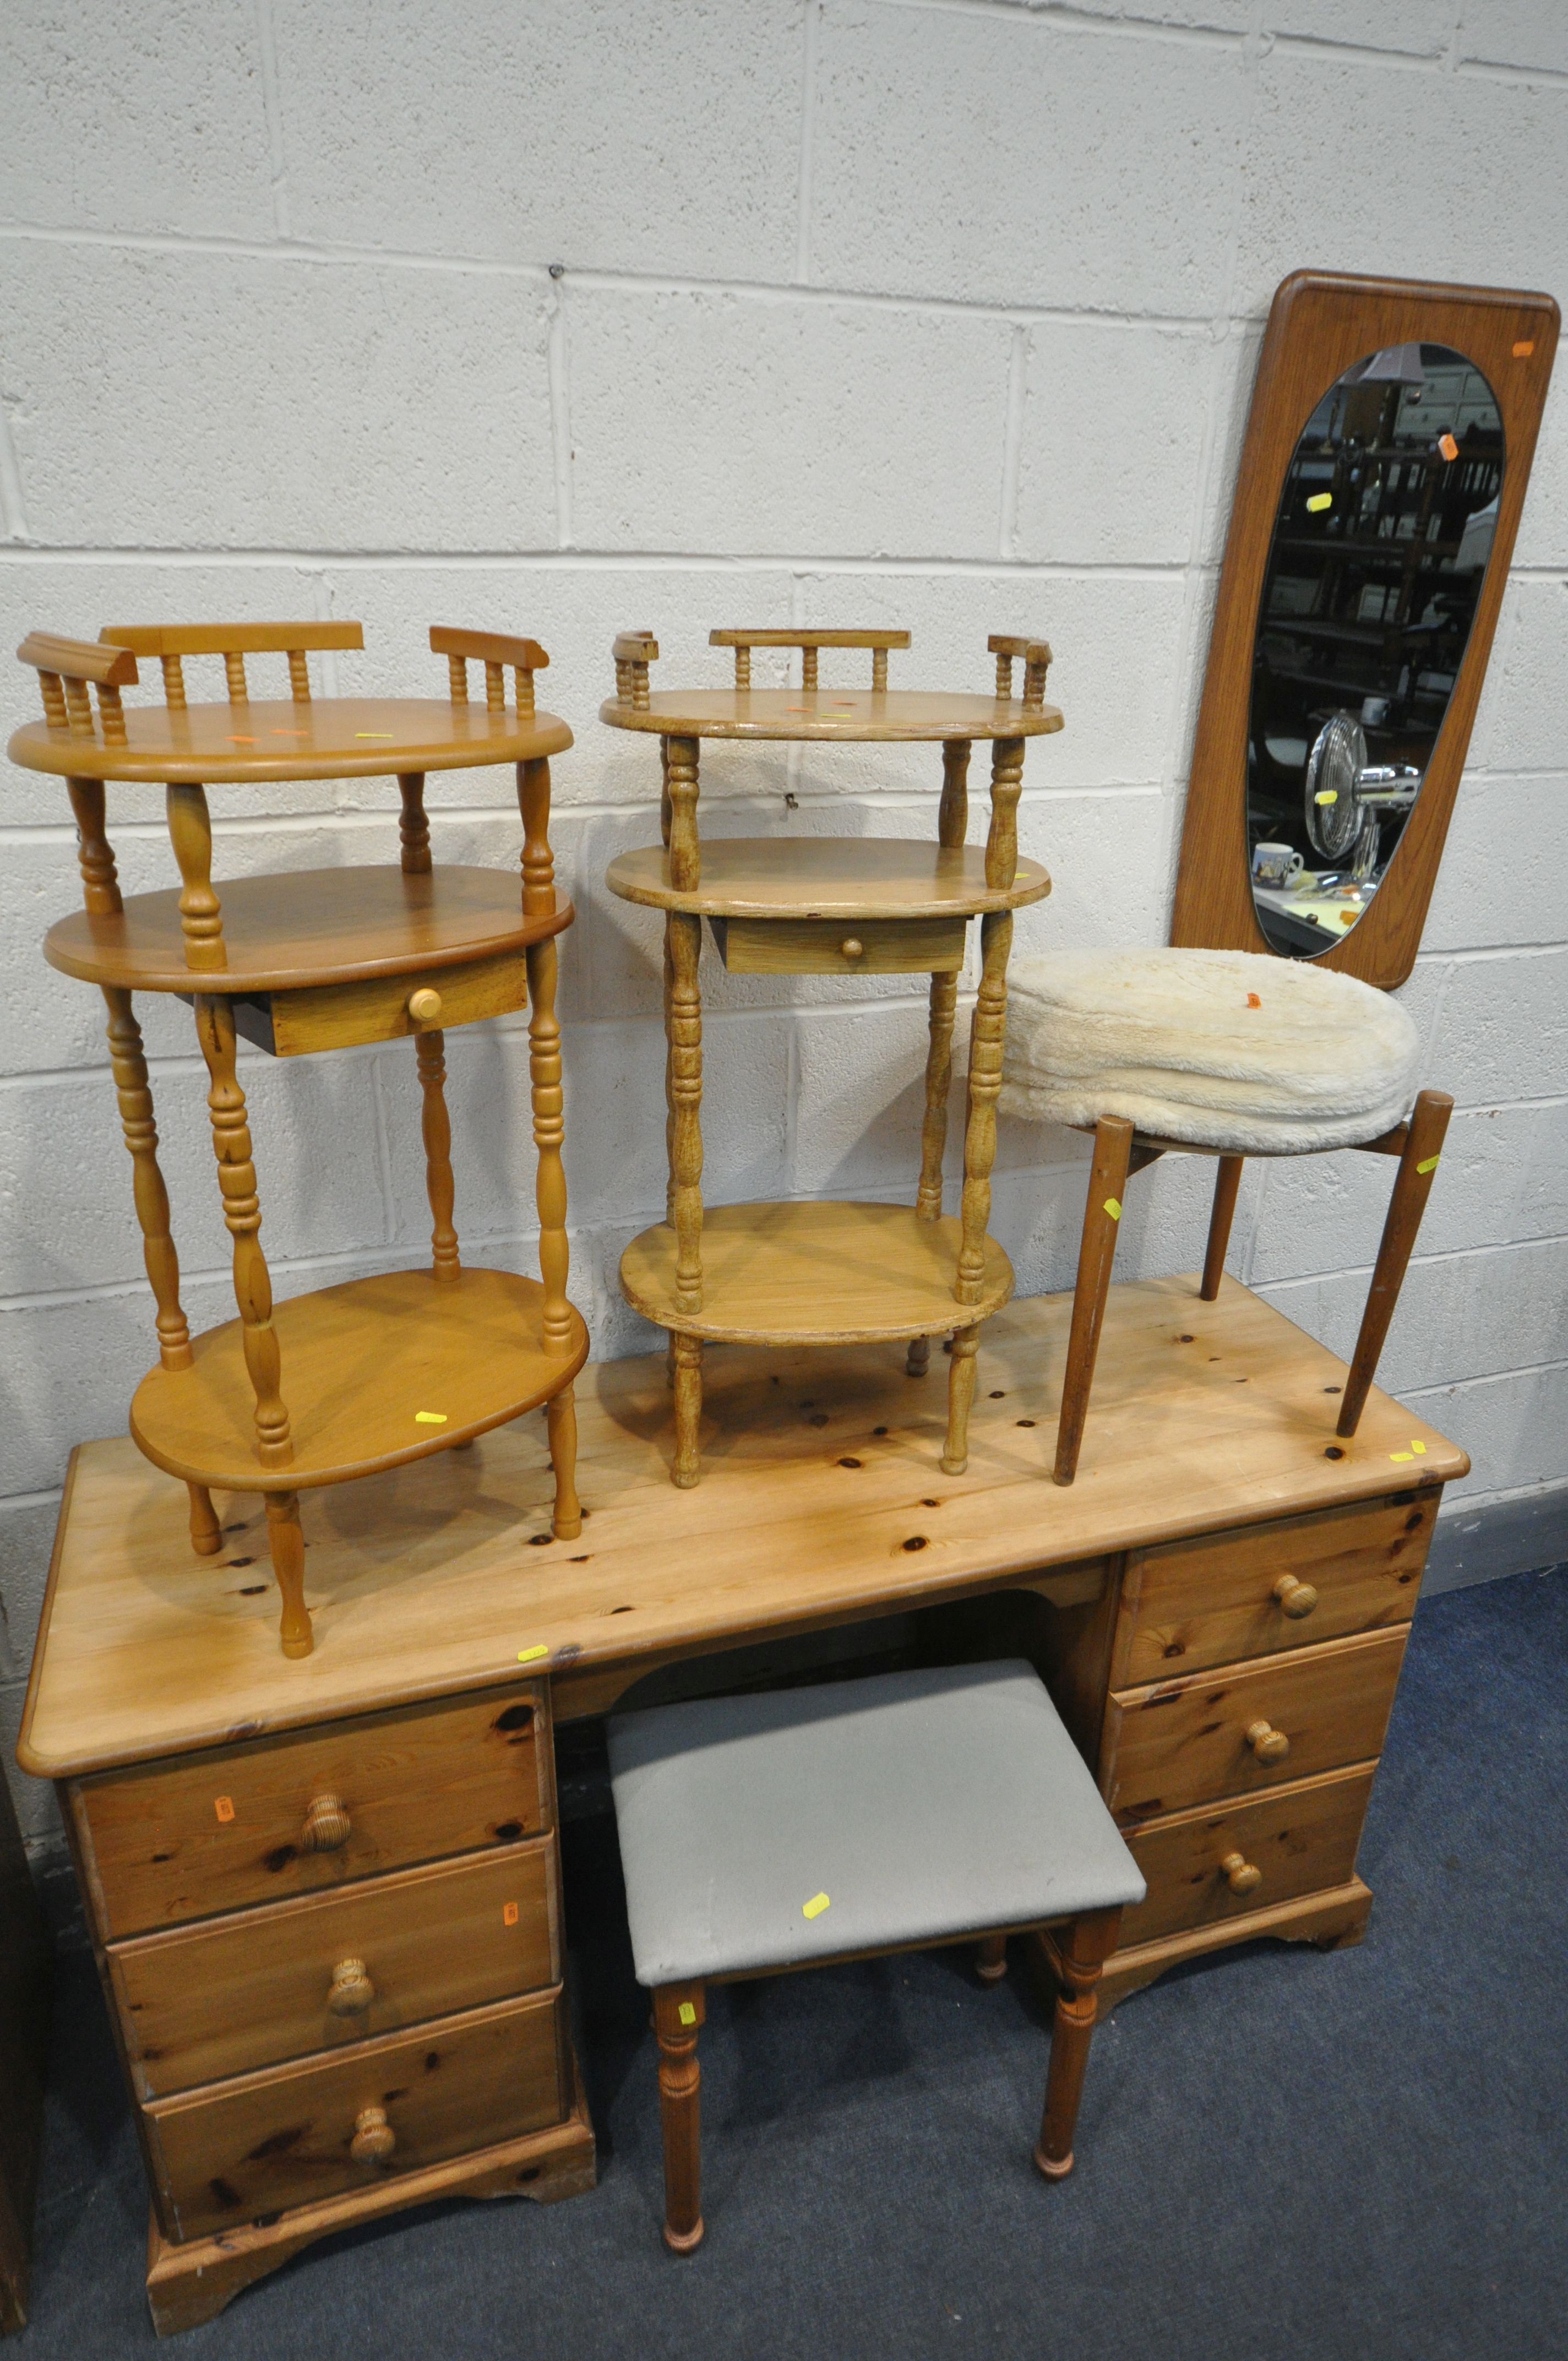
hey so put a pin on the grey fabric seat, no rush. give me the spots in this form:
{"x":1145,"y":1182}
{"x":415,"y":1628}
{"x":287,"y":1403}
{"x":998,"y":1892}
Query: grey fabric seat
{"x":767,"y":1831}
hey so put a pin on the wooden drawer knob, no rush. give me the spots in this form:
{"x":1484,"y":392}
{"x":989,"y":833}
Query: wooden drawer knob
{"x":852,"y":948}
{"x":374,"y":2138}
{"x":1241,"y":1875}
{"x":1298,"y":1598}
{"x":326,"y":1825}
{"x":424,"y":1006}
{"x":351,"y":1989}
{"x":1269,"y":1745}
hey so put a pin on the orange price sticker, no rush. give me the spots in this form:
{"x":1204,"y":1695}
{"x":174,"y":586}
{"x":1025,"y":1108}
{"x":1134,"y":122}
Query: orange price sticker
{"x":224,"y":1807}
{"x":1448,"y":447}
{"x":1255,"y":1000}
{"x":1524,"y":348}
{"x":509,"y":1913}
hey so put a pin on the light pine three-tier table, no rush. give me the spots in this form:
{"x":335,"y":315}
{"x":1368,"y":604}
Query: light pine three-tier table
{"x":358,"y":1377}
{"x":831,"y":1273}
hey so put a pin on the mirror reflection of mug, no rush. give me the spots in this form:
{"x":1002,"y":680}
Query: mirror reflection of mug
{"x":1274,"y":864}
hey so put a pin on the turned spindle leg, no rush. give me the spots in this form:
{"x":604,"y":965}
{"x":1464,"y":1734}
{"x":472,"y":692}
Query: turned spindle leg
{"x":206,"y":1533}
{"x":1096,"y":1253}
{"x":135,"y":1095}
{"x":538,"y":861}
{"x":688,"y":1351}
{"x":669,"y":1085}
{"x":938,"y":1081}
{"x":430,"y":1049}
{"x":549,"y":1136}
{"x":413,"y":827}
{"x":1007,"y":785}
{"x":680,"y":796}
{"x":1078,"y":1954}
{"x":679,"y":2014}
{"x":286,"y":1540}
{"x":960,"y":1396}
{"x":986,"y":1034}
{"x":201,"y":915}
{"x":95,"y":857}
{"x":242,"y":1216}
{"x":1227,"y":1180}
{"x":992,"y":1964}
{"x":917,"y":1360}
{"x":561,"y":1417}
{"x":1412,"y":1187}
{"x":683,"y":934}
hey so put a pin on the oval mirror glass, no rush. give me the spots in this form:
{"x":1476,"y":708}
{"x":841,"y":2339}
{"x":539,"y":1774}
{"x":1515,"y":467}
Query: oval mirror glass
{"x":1380,"y":547}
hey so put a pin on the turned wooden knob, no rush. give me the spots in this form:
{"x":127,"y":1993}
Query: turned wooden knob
{"x":326,"y":1825}
{"x":1269,"y":1745}
{"x":1298,"y":1598}
{"x":852,"y":946}
{"x":1241,"y":1875}
{"x":351,"y":1989}
{"x":374,"y":2138}
{"x":424,"y":1006}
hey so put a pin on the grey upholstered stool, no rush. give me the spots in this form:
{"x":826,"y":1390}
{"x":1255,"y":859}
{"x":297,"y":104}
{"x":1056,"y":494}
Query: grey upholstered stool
{"x":787,"y":1829}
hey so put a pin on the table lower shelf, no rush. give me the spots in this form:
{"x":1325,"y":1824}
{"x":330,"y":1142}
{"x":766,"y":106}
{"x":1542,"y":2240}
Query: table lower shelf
{"x":359,"y":1362}
{"x":814,"y":1274}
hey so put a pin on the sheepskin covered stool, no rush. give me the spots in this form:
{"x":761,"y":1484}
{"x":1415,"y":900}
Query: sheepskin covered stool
{"x":1229,"y":1054}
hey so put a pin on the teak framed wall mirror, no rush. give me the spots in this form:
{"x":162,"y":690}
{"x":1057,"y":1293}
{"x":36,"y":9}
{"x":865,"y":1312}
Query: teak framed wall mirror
{"x":1383,"y":469}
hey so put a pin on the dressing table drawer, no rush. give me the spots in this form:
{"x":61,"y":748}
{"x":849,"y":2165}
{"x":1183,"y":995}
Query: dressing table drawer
{"x":1275,"y":1847}
{"x":1265,"y":1588}
{"x":237,"y":1825}
{"x":254,"y":2147}
{"x":234,"y":1995}
{"x":1180,"y":1744}
{"x":382,"y":1008}
{"x":840,"y":945}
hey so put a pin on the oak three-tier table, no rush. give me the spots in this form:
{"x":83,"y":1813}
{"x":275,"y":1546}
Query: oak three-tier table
{"x":364,"y":1376}
{"x":831,"y":1273}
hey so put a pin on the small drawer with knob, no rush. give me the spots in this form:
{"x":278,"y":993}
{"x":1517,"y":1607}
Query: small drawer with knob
{"x":258,"y":2143}
{"x":1222,"y":1862}
{"x":382,"y":1008}
{"x":165,"y":1842}
{"x":1266,"y":1589}
{"x":840,"y":945}
{"x":232,"y":1995}
{"x":1178,"y":1743}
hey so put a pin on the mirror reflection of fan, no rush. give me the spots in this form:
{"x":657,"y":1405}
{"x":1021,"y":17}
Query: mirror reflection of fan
{"x":1344,"y":793}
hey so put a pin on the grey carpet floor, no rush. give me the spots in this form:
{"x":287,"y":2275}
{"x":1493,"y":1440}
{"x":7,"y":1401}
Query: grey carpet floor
{"x":1284,"y":2155}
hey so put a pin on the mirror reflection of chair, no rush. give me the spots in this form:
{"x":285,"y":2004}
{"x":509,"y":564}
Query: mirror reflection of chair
{"x":1384,"y":470}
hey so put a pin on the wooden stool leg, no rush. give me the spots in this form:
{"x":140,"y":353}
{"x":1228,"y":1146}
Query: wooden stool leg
{"x":287,"y":1542}
{"x":206,"y":1533}
{"x":1412,"y":1187}
{"x":1102,"y":1219}
{"x":1078,"y":1956}
{"x":679,"y":2013}
{"x":242,"y":1217}
{"x":917,"y":1360}
{"x":688,"y":1351}
{"x":430,"y":1050}
{"x":561,"y":1420}
{"x":1227,"y":1180}
{"x":960,"y":1394}
{"x":549,"y":1137}
{"x":992,"y":1964}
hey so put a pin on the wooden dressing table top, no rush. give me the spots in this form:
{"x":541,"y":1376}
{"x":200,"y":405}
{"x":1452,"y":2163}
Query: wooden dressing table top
{"x":325,"y":738}
{"x":827,"y":877}
{"x":853,"y":715}
{"x":440,"y":1577}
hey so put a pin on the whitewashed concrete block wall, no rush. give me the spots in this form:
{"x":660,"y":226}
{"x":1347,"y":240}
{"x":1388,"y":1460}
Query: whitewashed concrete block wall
{"x":941,"y":313}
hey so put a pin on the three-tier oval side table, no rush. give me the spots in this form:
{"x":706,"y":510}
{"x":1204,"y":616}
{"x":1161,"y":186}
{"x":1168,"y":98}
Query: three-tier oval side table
{"x":379,"y":1370}
{"x":816,"y":1273}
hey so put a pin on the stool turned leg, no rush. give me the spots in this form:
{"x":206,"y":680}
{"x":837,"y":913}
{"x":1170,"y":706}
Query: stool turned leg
{"x":1102,"y":1219}
{"x":1412,"y":1187}
{"x":688,"y":1352}
{"x":206,"y":1533}
{"x":679,"y":2013}
{"x":561,"y":1420}
{"x":960,"y":1394}
{"x":992,"y":1964}
{"x":286,"y":1540}
{"x":1078,"y":1955}
{"x":917,"y":1360}
{"x":1227,"y":1180}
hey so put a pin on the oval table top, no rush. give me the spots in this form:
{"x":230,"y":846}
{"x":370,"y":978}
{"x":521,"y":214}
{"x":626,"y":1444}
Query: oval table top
{"x":827,"y":877}
{"x":854,"y":716}
{"x":327,"y":738}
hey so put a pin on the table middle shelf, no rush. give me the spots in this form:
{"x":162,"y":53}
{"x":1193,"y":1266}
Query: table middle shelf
{"x":863,"y":877}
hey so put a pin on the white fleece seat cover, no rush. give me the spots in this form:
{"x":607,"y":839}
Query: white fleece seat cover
{"x":1232,"y":1051}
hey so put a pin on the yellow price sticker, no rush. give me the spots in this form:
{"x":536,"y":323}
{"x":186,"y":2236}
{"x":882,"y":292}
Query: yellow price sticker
{"x":530,"y":1655}
{"x":686,"y":2013}
{"x":1419,"y":1449}
{"x":429,"y":1418}
{"x":1113,"y":1207}
{"x":1397,"y":1456}
{"x":815,"y":1907}
{"x":1318,"y":502}
{"x":1326,"y":796}
{"x":1428,"y":1164}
